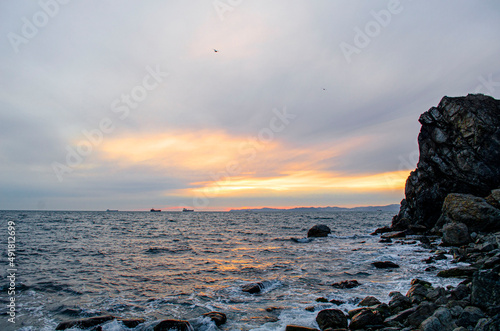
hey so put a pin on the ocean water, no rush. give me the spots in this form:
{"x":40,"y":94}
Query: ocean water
{"x":181,"y":265}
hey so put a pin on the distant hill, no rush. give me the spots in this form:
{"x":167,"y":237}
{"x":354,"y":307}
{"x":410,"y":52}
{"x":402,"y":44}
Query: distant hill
{"x":388,"y":208}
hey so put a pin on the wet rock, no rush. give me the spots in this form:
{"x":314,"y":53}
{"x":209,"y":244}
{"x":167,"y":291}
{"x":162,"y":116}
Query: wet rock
{"x":369,"y":301}
{"x":385,"y":240}
{"x":398,"y":302}
{"x":455,"y":234}
{"x":85,"y":323}
{"x":132,"y":322}
{"x":417,"y":293}
{"x":488,"y":324}
{"x":470,"y":316}
{"x":391,"y":235}
{"x":292,"y":327}
{"x":331,"y":318}
{"x":217,"y":317}
{"x":492,"y":262}
{"x":356,"y":311}
{"x":460,"y":292}
{"x":346,"y":284}
{"x":459,"y":145}
{"x":366,"y":319}
{"x":457,"y":272}
{"x":441,"y":320}
{"x":431,"y":268}
{"x":435,"y":294}
{"x":385,"y":264}
{"x":337,"y":302}
{"x":485,"y":289}
{"x":319,"y":230}
{"x":400,"y":317}
{"x":382,"y":230}
{"x":423,"y":311}
{"x":252,"y":288}
{"x":474,"y":212}
{"x":173,"y":325}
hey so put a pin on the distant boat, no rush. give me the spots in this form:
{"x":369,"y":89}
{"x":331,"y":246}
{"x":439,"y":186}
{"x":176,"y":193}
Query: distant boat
{"x":155,"y":210}
{"x":187,"y":210}
{"x":111,"y":209}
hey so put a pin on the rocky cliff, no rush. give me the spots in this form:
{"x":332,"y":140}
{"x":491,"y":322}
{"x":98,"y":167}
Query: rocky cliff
{"x":459,"y":145}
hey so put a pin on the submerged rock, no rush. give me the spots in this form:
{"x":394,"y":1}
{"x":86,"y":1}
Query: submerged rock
{"x":385,"y":264}
{"x":173,"y":325}
{"x":459,"y":145}
{"x":217,"y":317}
{"x":346,"y":284}
{"x":85,"y":323}
{"x":319,"y":230}
{"x":252,"y":288}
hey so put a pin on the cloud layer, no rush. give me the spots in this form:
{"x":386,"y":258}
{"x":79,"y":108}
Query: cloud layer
{"x":126,"y":105}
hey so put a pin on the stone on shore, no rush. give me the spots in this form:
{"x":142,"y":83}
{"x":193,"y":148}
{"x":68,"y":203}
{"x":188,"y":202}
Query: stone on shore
{"x":455,"y":234}
{"x":365,"y":319}
{"x":457,"y":272}
{"x":485,"y":289}
{"x":331,"y":318}
{"x":319,"y":230}
{"x":473,"y":211}
{"x":369,"y":301}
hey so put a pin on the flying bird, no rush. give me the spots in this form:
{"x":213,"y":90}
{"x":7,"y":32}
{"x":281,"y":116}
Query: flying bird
{"x":215,"y":50}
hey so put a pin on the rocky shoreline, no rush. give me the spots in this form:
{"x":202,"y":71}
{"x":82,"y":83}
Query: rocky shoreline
{"x":452,"y":206}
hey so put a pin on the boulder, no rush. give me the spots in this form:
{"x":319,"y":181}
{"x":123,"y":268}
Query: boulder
{"x":473,"y":211}
{"x":217,"y":317}
{"x":459,"y":145}
{"x":423,"y":311}
{"x":441,"y":320}
{"x":369,"y":301}
{"x":366,"y":319}
{"x":470,"y":316}
{"x":485,"y":289}
{"x":455,"y":234}
{"x":457,"y":272}
{"x":398,"y":302}
{"x":385,"y":264}
{"x":417,"y":293}
{"x":331,"y":318}
{"x":319,"y":230}
{"x":252,"y":288}
{"x":173,"y":325}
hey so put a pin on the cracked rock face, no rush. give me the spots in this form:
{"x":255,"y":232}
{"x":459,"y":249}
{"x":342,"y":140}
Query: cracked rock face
{"x":459,"y":145}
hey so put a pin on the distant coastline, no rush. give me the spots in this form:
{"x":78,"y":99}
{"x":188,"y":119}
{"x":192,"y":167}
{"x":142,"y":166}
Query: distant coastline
{"x":387,"y":208}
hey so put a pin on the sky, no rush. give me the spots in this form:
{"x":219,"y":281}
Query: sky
{"x":221,"y":104}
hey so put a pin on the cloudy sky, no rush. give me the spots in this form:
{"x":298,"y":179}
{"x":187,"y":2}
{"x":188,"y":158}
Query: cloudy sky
{"x":127,"y":105}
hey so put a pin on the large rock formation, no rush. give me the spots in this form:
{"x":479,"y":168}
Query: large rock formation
{"x":459,"y":146}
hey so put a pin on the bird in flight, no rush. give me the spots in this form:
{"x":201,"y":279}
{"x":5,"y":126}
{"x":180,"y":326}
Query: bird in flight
{"x":215,"y":50}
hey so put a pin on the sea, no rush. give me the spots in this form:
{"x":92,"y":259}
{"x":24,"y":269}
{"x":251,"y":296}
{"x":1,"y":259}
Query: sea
{"x":177,"y":265}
